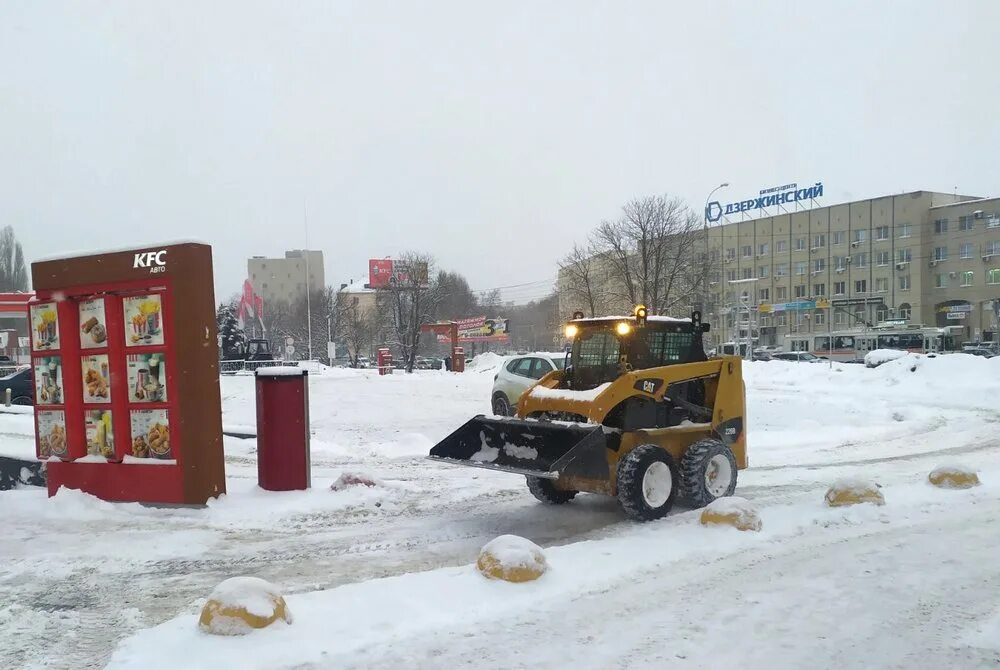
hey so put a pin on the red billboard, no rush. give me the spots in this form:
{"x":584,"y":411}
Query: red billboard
{"x":386,"y":272}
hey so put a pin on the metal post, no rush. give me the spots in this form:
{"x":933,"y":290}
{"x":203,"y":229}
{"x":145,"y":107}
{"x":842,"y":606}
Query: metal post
{"x":705,"y":291}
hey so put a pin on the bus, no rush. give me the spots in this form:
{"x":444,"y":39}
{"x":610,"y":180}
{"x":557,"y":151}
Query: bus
{"x":851,"y":346}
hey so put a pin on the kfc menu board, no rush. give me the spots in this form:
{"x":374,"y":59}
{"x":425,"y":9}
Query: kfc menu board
{"x":93,"y":328}
{"x":44,"y":326}
{"x":150,"y":433}
{"x":96,"y":379}
{"x":143,"y":322}
{"x":51,"y":433}
{"x":48,"y":380}
{"x":100,"y":434}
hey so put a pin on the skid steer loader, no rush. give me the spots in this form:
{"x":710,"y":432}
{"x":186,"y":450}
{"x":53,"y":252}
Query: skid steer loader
{"x":639,"y":413}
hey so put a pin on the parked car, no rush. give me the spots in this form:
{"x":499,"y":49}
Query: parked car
{"x":980,"y":351}
{"x":519,"y":373}
{"x":800,"y":356}
{"x":21,"y":387}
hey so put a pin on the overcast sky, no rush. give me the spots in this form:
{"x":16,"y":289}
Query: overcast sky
{"x":491,"y":135}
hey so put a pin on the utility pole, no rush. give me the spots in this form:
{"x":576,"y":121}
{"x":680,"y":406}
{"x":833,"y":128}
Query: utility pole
{"x":705,"y":287}
{"x":309,"y":326}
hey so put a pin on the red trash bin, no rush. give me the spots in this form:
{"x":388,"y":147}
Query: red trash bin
{"x":283,"y":461}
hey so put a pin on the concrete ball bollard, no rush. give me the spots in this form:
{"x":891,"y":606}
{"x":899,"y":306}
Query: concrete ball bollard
{"x":854,"y":491}
{"x":240,"y":605}
{"x":512,"y":559}
{"x":731,"y":511}
{"x":953,"y":476}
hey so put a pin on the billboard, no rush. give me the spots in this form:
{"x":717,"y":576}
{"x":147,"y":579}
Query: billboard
{"x":386,"y":272}
{"x":480,"y":329}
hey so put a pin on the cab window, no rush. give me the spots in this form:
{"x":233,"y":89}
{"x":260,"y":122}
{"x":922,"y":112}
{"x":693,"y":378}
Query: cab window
{"x":520,"y":367}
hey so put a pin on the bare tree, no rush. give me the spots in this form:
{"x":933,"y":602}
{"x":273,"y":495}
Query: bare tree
{"x":651,"y":254}
{"x":407,"y":303}
{"x":579,"y":275}
{"x":13,"y":272}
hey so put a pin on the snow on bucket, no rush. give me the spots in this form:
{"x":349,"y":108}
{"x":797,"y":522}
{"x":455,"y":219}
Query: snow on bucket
{"x":953,"y":476}
{"x":239,"y":605}
{"x":854,"y":491}
{"x":512,"y":559}
{"x":731,"y":511}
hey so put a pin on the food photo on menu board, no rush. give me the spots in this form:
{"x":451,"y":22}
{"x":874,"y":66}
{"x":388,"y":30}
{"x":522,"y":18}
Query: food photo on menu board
{"x":96,"y":379}
{"x":143,"y":320}
{"x":44,"y":326}
{"x":48,"y":380}
{"x":147,"y":378}
{"x":51,"y":433}
{"x":93,"y":328}
{"x":100,"y":437}
{"x":150,"y":433}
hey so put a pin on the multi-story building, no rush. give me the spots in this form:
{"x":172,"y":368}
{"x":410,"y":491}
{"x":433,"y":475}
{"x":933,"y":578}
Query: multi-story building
{"x":285,"y":279}
{"x":914,"y":258}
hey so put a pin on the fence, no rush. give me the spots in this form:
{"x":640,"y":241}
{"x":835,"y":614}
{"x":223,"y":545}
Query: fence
{"x":233,"y":367}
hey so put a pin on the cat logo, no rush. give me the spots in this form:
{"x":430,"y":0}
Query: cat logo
{"x":649,"y":386}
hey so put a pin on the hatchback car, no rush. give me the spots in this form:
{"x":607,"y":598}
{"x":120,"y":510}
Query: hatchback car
{"x":20,"y":385}
{"x":519,"y":373}
{"x":802,"y":356}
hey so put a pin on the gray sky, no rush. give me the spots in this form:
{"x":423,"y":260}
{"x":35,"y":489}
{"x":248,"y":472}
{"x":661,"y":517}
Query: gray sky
{"x":489,"y":134}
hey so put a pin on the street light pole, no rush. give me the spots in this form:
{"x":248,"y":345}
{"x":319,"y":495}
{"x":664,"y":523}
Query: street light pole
{"x":707,"y":252}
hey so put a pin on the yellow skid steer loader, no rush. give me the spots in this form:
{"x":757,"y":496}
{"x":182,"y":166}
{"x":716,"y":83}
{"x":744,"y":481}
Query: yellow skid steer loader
{"x":639,"y":412}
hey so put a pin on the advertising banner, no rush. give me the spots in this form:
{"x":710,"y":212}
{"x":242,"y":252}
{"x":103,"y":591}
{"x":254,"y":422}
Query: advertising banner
{"x":480,"y":329}
{"x":385,"y":272}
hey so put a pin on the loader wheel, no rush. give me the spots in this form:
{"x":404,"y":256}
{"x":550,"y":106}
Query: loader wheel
{"x":708,"y":472}
{"x":648,"y":482}
{"x":546,"y":491}
{"x":501,"y":406}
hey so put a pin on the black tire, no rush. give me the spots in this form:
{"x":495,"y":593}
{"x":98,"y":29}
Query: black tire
{"x":501,"y":405}
{"x":21,"y":400}
{"x":546,"y":491}
{"x":697,"y":469}
{"x":638,"y":502}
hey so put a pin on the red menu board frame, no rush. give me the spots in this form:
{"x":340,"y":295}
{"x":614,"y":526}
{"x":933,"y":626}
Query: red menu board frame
{"x":132,"y":429}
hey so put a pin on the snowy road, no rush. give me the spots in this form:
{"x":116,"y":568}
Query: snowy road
{"x":80,"y":574}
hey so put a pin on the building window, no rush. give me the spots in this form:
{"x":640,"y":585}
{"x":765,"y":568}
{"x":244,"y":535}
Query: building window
{"x":941,"y":280}
{"x":765,"y":294}
{"x":940,"y":226}
{"x":881,"y":284}
{"x":905,"y":311}
{"x":905,"y":255}
{"x":781,"y":270}
{"x":265,"y":284}
{"x":839,"y":263}
{"x":819,"y":317}
{"x":993,"y":221}
{"x":781,"y":246}
{"x":882,"y":258}
{"x":747,"y":251}
{"x":819,"y":265}
{"x":839,"y":287}
{"x":763,"y":249}
{"x":254,"y":275}
{"x":800,"y":243}
{"x":730,"y":275}
{"x":993,"y":248}
{"x":819,"y":241}
{"x":782,"y":319}
{"x":881,"y":313}
{"x":763,"y":271}
{"x":800,"y":291}
{"x":819,"y":290}
{"x":882,"y":233}
{"x":839,"y":318}
{"x":940,"y":253}
{"x":714,"y":256}
{"x":747,"y":273}
{"x":860,"y":260}
{"x":904,"y":283}
{"x":905,"y":230}
{"x":966,"y":278}
{"x":860,"y":235}
{"x":800,"y":268}
{"x":966,"y":223}
{"x":965,"y":251}
{"x":838,"y":237}
{"x":781,"y":293}
{"x":993,"y":276}
{"x":861,"y":286}
{"x":730,"y":253}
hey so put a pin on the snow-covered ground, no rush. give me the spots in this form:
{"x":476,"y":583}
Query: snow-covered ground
{"x":382,"y":577}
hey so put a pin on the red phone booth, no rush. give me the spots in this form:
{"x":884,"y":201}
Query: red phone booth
{"x":384,"y":361}
{"x":125,"y":360}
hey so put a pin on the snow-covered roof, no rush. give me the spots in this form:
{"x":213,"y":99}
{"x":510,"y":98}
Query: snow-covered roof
{"x":356,"y":286}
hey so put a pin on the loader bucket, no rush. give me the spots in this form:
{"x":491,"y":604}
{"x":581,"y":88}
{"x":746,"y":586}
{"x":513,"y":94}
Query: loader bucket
{"x":546,"y":449}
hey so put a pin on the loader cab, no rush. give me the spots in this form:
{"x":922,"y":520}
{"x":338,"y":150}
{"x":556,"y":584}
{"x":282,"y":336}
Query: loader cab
{"x":605,"y":348}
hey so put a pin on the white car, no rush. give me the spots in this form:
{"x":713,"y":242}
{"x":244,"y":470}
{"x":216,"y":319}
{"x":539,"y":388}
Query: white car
{"x":517,"y":375}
